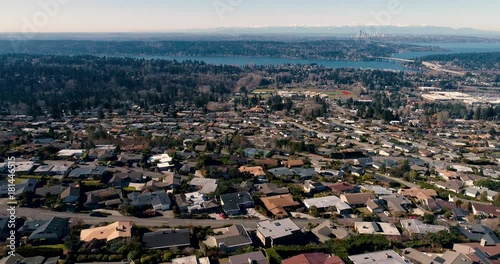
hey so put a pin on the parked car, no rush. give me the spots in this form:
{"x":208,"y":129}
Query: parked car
{"x":98,"y":214}
{"x":223,"y":215}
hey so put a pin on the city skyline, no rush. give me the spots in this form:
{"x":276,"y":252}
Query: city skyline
{"x":170,"y":16}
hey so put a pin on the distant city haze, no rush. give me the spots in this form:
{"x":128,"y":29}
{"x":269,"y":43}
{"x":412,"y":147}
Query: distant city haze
{"x":169,"y":15}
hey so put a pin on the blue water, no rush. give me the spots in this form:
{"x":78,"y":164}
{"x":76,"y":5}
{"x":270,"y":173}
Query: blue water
{"x":382,"y":65}
{"x":452,"y":48}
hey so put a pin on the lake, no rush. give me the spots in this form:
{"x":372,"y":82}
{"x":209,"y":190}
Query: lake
{"x":243,"y":61}
{"x":452,"y":48}
{"x":382,"y":65}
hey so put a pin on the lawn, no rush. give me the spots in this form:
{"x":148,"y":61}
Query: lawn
{"x":58,"y":246}
{"x":30,"y":177}
{"x":258,"y":91}
{"x":91,"y":183}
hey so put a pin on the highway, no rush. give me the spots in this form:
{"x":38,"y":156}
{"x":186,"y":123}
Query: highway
{"x":36,"y":213}
{"x":437,"y":67}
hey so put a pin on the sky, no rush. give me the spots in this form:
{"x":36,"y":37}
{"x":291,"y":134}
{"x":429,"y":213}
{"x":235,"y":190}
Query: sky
{"x":177,"y":15}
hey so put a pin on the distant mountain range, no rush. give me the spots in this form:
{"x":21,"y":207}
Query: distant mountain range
{"x":269,"y":33}
{"x":351,"y":30}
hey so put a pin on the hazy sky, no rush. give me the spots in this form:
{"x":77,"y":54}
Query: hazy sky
{"x":169,"y":15}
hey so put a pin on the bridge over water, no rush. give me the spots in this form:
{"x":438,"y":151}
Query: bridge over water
{"x":394,"y":59}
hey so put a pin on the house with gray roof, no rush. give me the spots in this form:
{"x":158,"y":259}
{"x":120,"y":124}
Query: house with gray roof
{"x":282,"y":231}
{"x":478,"y":233}
{"x":169,"y":238}
{"x":236,"y":203}
{"x":254,"y":258}
{"x":30,"y":226}
{"x":281,"y":172}
{"x":158,"y":200}
{"x":229,"y":239}
{"x":52,"y":231}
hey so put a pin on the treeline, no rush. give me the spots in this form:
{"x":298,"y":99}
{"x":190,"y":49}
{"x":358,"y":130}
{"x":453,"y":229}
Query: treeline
{"x":472,"y":61}
{"x":462,"y":111}
{"x":335,"y":49}
{"x":70,"y":84}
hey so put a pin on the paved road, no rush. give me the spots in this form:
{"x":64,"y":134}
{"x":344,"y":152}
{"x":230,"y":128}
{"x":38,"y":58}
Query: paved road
{"x":157,"y":221}
{"x":437,"y":67}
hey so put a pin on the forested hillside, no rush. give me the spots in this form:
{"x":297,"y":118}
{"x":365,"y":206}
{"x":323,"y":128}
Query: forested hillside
{"x":335,"y":49}
{"x":81,"y":83}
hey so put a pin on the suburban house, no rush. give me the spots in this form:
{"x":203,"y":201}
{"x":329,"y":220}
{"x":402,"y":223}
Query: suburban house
{"x":277,"y":204}
{"x":194,"y":203}
{"x":18,"y":259}
{"x":103,"y":197}
{"x":452,"y":185}
{"x":283,"y":231}
{"x":281,"y":172}
{"x":304,"y":173}
{"x":169,"y":238}
{"x":313,"y":258}
{"x":204,"y":185}
{"x":478,"y":252}
{"x":254,"y":258}
{"x":374,"y":206}
{"x":480,"y":233}
{"x":51,"y":231}
{"x":158,"y":200}
{"x":292,"y":163}
{"x":124,"y":179}
{"x":477,"y":191}
{"x":342,"y":187}
{"x":327,"y":230}
{"x":86,"y":172}
{"x":229,"y":239}
{"x":70,"y":195}
{"x":485,"y":209}
{"x":396,"y":203}
{"x":256,"y":171}
{"x":29,"y":226}
{"x":270,"y":189}
{"x":236,"y":203}
{"x":327,"y":202}
{"x":356,"y":199}
{"x":313,"y":187}
{"x":386,"y":229}
{"x":378,"y":257}
{"x":108,"y":233}
{"x":4,"y":227}
{"x":420,"y":194}
{"x":417,"y":227}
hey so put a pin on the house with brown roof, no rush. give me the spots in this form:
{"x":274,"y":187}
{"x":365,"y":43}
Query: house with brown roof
{"x":270,"y":189}
{"x":256,"y":171}
{"x":108,"y":233}
{"x":485,"y":209}
{"x":448,"y":175}
{"x":420,"y":194}
{"x":292,"y":163}
{"x":478,"y":252}
{"x":453,"y":185}
{"x":277,"y":204}
{"x":342,"y":187}
{"x":356,"y":199}
{"x":313,"y":258}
